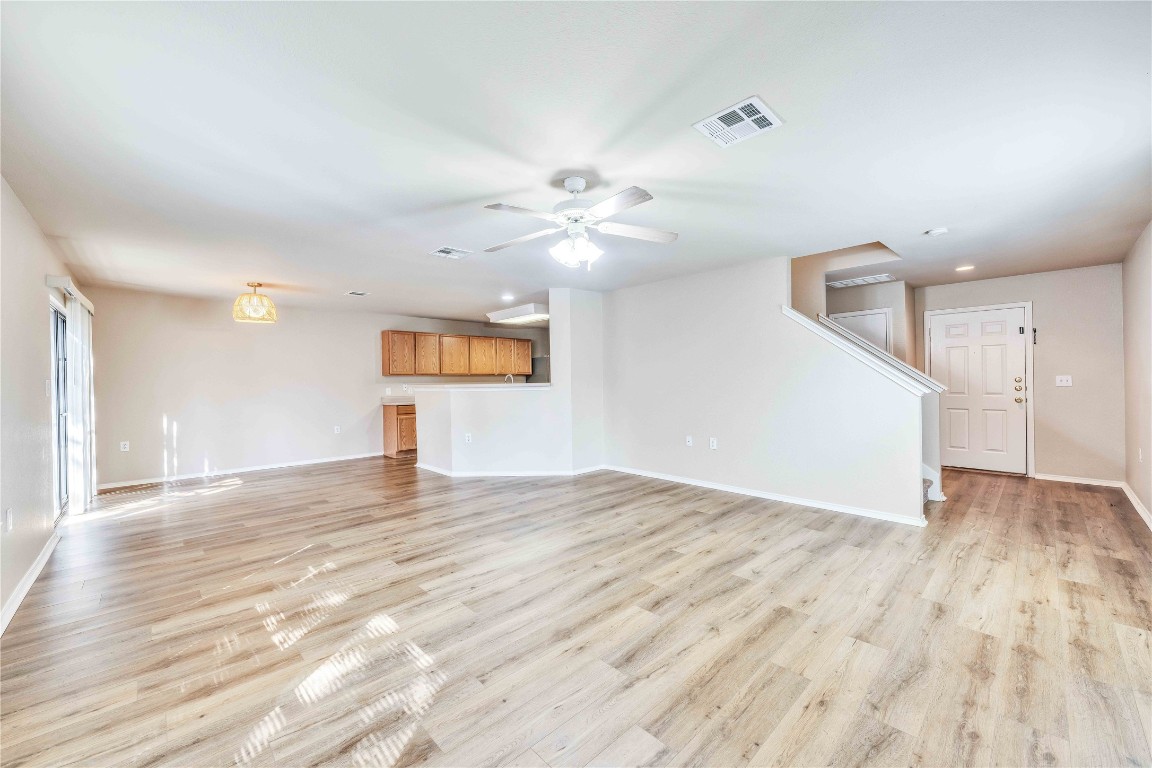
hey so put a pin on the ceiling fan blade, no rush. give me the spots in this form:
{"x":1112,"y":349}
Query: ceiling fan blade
{"x":522,"y":211}
{"x":640,"y":233}
{"x":523,"y":239}
{"x":619,"y":202}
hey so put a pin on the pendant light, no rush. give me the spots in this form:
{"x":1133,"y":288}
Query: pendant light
{"x":253,"y":307}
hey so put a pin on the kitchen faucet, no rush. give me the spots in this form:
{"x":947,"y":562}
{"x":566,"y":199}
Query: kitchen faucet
{"x":509,"y":378}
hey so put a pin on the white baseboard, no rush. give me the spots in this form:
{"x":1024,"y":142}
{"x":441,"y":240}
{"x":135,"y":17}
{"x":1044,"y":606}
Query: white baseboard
{"x":873,"y":513}
{"x":1141,"y":510}
{"x":237,"y":471}
{"x":1081,"y":480}
{"x":27,"y":581}
{"x":562,"y":473}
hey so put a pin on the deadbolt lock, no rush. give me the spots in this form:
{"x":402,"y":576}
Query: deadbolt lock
{"x":1018,"y":387}
{"x":1018,"y":379}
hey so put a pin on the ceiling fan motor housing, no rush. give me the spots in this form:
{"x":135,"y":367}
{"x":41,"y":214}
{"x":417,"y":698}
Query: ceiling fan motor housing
{"x":572,"y":210}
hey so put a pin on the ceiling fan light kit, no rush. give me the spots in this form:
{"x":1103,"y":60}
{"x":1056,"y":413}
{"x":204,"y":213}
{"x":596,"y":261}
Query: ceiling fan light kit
{"x":576,"y":216}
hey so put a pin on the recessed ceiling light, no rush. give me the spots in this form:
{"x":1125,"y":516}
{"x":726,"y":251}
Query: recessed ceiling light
{"x":965,"y":268}
{"x":507,"y":297}
{"x":356,"y":293}
{"x":937,"y":232}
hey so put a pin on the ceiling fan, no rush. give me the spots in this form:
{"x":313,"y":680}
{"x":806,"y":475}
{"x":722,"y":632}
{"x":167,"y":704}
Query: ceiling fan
{"x":578,"y":216}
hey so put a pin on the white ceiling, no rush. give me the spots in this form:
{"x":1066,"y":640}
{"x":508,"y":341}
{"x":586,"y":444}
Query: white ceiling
{"x":192,"y":147}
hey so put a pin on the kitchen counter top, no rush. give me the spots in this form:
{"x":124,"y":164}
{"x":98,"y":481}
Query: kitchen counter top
{"x":409,"y":400}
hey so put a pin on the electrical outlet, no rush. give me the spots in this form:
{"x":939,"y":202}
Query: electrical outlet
{"x":124,"y":446}
{"x":336,"y":429}
{"x":467,"y":437}
{"x":712,"y":443}
{"x":688,"y":441}
{"x":8,"y":520}
{"x":1140,"y":455}
{"x":404,"y":387}
{"x":1063,"y":381}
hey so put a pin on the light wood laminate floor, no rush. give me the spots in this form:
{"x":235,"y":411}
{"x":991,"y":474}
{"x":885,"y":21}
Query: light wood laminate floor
{"x":367,"y":613}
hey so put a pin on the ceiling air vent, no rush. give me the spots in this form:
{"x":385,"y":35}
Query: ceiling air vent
{"x":448,"y":252}
{"x":861,"y":281}
{"x":739,"y":122}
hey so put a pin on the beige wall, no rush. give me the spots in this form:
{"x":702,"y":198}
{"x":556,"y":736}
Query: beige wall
{"x":711,"y":355}
{"x":807,"y":292}
{"x":1138,"y":366}
{"x":26,"y":451}
{"x":1079,"y":319}
{"x":897,"y":296}
{"x":193,"y":391}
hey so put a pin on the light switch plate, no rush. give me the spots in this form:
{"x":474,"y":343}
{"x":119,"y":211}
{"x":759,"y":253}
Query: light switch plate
{"x":1063,"y":381}
{"x":387,"y":390}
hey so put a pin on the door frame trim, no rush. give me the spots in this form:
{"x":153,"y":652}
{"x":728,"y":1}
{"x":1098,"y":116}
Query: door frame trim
{"x":887,"y":318}
{"x":1029,"y":368}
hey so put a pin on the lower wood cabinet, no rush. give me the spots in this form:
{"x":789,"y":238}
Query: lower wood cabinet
{"x":399,"y":429}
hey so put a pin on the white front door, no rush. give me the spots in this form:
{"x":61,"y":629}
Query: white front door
{"x":980,"y":356}
{"x":872,"y":325}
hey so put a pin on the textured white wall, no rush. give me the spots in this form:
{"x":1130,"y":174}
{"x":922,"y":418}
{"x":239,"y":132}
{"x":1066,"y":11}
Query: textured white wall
{"x":711,"y":355}
{"x":26,"y":451}
{"x":1137,"y":270}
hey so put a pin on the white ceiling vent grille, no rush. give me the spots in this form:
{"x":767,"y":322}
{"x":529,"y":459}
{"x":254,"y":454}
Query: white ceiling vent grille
{"x":448,"y":252}
{"x":861,"y":281}
{"x":739,"y":122}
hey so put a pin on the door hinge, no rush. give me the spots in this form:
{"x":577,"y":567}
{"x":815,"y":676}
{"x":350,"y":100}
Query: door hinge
{"x":1033,"y":336}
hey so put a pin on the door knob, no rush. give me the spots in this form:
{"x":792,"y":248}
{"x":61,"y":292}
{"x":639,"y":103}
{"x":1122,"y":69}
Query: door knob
{"x":1018,"y":387}
{"x":1019,"y":399}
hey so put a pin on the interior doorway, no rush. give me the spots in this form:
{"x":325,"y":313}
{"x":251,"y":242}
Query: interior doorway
{"x":983,"y":355}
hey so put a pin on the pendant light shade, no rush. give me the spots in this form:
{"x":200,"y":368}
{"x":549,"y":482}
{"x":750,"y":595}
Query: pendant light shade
{"x":254,"y":307}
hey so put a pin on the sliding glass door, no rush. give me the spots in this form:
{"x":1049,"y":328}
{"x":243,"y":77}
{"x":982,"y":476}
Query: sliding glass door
{"x":60,"y":406}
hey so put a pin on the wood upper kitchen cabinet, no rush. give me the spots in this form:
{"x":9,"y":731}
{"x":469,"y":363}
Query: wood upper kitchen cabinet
{"x":398,"y":353}
{"x":454,"y":355}
{"x":427,"y":354}
{"x":505,"y":356}
{"x":482,"y":355}
{"x":522,"y":357}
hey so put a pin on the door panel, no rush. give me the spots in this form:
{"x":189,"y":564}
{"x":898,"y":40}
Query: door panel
{"x":454,"y":355}
{"x":482,"y":355}
{"x":980,"y":356}
{"x":428,"y":354}
{"x":870,"y":325}
{"x":505,"y":356}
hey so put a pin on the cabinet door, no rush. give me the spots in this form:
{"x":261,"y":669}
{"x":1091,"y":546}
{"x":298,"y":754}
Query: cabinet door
{"x":505,"y":356}
{"x":523,"y":353}
{"x":398,"y":353}
{"x":454,"y":355}
{"x":406,"y":428}
{"x":482,"y":355}
{"x":428,"y":354}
